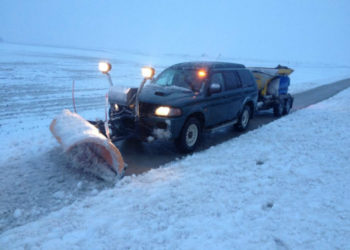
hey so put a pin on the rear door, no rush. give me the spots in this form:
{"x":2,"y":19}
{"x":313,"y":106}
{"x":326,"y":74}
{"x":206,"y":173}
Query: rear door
{"x":248,"y":82}
{"x":234,"y":95}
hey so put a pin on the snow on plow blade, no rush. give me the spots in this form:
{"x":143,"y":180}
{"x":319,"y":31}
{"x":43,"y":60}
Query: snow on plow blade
{"x":87,"y":147}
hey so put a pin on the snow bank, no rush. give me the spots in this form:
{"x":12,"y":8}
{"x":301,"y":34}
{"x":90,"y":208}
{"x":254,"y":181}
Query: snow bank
{"x":284,"y":186}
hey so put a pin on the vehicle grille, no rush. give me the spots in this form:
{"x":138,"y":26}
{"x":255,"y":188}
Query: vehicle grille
{"x":123,"y":110}
{"x":146,"y":109}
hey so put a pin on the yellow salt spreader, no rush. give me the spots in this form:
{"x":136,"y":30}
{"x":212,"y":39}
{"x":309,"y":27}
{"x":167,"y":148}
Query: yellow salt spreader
{"x":273,"y":86}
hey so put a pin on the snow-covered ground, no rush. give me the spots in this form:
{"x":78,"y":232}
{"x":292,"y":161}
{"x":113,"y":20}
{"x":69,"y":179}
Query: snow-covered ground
{"x":283,"y":186}
{"x":36,"y":82}
{"x":35,"y":85}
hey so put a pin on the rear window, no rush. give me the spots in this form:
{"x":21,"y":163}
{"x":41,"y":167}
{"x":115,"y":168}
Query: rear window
{"x":232,"y":80}
{"x":246,"y":78}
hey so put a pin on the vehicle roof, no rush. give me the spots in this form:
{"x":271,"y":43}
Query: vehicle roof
{"x":207,"y":64}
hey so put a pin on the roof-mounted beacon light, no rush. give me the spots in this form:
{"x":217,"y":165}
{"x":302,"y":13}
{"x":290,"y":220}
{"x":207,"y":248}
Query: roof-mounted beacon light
{"x":201,"y":73}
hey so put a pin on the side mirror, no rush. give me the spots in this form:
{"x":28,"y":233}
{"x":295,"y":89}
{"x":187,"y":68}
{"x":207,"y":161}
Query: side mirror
{"x":214,"y":88}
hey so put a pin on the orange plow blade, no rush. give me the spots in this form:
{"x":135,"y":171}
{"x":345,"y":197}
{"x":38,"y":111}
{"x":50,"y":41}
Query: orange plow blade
{"x":87,"y":147}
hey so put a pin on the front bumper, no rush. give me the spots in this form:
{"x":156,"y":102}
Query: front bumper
{"x":146,"y":128}
{"x":160,"y":128}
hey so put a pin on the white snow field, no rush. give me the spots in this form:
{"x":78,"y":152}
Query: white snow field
{"x":35,"y":85}
{"x":283,"y":186}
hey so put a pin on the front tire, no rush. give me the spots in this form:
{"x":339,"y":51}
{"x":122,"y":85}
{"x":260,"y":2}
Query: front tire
{"x":244,"y":119}
{"x":190,"y":136}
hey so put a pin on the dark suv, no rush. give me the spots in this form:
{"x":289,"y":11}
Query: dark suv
{"x":186,"y":99}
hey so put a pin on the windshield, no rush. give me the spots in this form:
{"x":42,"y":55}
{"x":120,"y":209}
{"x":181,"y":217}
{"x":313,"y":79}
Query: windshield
{"x":185,"y":78}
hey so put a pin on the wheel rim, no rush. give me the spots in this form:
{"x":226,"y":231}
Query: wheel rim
{"x":245,"y":118}
{"x":191,"y":135}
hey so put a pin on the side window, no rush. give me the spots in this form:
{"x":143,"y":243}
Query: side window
{"x":246,"y":78}
{"x":217,"y":78}
{"x":232,"y":80}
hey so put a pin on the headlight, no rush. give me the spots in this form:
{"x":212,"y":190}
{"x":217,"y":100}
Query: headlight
{"x":167,"y":111}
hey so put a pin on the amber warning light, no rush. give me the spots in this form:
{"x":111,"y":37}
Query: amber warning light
{"x":201,"y":73}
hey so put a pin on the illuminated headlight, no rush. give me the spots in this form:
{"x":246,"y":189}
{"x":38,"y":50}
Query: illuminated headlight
{"x":116,"y":107}
{"x":167,"y":111}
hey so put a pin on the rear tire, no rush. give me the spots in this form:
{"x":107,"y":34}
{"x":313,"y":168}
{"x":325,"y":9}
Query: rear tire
{"x":278,"y":108}
{"x":244,"y":118}
{"x":287,"y":105}
{"x":190,"y":136}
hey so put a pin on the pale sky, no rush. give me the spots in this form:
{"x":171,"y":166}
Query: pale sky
{"x":303,"y":30}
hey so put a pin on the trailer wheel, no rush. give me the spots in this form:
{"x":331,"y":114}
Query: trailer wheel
{"x":244,"y":119}
{"x":190,"y":136}
{"x":287,"y":105}
{"x":278,"y":108}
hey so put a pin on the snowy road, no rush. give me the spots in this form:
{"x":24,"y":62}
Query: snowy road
{"x":143,"y":157}
{"x":35,"y":84}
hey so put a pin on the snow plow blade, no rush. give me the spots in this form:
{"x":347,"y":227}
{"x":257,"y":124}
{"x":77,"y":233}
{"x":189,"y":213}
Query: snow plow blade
{"x":87,"y":147}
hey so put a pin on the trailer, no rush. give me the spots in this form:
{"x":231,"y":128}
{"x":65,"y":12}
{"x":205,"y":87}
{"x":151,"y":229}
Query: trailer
{"x":273,"y":86}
